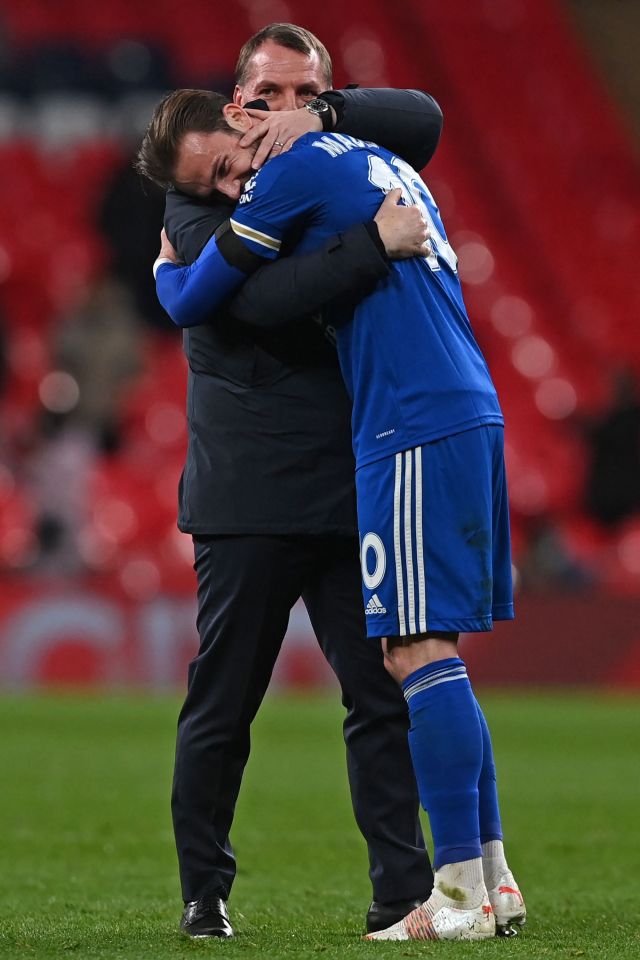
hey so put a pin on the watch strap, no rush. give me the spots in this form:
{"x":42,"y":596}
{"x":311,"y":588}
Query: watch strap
{"x":319,"y":107}
{"x":336,"y":101}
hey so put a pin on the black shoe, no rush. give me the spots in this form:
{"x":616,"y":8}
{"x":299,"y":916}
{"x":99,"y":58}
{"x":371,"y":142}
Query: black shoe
{"x":383,"y":915}
{"x":207,"y":917}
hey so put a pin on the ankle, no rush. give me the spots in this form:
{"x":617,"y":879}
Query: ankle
{"x":493,"y":850}
{"x":462,"y":882}
{"x":494,"y":862}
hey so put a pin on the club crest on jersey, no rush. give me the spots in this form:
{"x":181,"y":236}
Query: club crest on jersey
{"x":374,"y":606}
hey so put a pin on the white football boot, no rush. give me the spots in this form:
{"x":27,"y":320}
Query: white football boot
{"x":441,"y":918}
{"x":508,"y":904}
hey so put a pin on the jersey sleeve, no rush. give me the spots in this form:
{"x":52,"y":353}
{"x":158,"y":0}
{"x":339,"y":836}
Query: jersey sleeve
{"x":274,"y":201}
{"x":190,"y":294}
{"x":281,"y":195}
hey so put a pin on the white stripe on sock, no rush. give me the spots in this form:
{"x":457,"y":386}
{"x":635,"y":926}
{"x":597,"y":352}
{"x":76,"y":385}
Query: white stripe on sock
{"x":456,"y":671}
{"x":421,"y":685}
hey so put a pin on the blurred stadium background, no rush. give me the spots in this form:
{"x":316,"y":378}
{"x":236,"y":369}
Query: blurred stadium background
{"x":537,"y":179}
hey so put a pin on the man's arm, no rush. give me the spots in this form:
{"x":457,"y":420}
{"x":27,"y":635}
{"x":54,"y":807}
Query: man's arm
{"x":282,"y":195}
{"x":349,"y":264}
{"x":407,"y":122}
{"x":346,"y":266}
{"x":190,"y":222}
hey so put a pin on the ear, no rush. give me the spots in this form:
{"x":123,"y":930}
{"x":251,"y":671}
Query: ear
{"x":236,"y":117}
{"x":237,"y":95}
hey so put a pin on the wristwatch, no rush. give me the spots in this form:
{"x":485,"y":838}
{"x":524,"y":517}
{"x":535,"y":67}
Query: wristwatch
{"x":320,"y":108}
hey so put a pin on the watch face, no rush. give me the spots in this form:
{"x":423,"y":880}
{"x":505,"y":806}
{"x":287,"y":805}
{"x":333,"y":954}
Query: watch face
{"x":317,"y":106}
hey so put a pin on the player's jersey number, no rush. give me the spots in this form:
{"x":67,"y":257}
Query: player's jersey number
{"x":372,"y":544}
{"x":387,"y":177}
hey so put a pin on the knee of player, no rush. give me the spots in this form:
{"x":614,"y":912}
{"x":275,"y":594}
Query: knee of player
{"x":391,"y":667}
{"x":399,"y":657}
{"x":404,"y":655}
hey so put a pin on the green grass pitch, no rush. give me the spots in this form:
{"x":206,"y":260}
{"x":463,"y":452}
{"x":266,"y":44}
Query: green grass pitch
{"x":88,"y":866}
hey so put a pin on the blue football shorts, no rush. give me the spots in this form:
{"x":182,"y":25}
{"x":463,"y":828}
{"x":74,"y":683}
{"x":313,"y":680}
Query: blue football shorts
{"x":434,"y":537}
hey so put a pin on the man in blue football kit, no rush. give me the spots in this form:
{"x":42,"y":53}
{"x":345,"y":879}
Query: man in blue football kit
{"x":432,"y":502}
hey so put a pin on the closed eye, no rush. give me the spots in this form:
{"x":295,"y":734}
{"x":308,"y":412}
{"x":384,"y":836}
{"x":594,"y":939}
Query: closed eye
{"x":221,"y":171}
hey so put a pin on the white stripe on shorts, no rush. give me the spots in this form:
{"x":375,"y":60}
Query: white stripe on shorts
{"x":411,"y":600}
{"x":422,"y":597}
{"x":397,"y":547}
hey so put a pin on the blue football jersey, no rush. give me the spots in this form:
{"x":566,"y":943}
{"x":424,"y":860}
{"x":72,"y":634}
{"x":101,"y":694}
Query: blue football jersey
{"x":409,"y":358}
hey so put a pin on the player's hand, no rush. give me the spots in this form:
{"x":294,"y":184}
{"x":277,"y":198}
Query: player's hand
{"x":274,"y":133}
{"x":403,"y":230}
{"x":167,"y":251}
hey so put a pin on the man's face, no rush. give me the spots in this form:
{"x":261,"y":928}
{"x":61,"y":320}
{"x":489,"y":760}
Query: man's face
{"x":286,"y":79}
{"x":215,"y":161}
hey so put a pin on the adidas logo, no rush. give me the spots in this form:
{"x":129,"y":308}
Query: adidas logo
{"x":374,"y":606}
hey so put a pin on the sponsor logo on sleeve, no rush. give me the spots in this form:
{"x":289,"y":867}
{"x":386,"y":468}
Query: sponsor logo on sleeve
{"x":247,"y":195}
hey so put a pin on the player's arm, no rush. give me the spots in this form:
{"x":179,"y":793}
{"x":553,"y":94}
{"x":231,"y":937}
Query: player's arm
{"x":281,"y":198}
{"x":345,"y":269}
{"x":347,"y":265}
{"x":407,"y":122}
{"x":190,"y":293}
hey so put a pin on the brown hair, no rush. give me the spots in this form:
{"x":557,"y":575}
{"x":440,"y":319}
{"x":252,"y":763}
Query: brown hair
{"x":181,"y":112}
{"x":285,"y":35}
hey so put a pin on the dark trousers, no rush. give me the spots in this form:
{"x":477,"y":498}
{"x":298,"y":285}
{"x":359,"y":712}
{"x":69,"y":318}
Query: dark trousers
{"x":246,"y":588}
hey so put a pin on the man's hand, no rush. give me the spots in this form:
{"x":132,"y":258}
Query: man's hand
{"x":275,"y":132}
{"x":403,"y":230}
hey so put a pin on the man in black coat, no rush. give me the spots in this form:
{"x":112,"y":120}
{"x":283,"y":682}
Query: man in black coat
{"x":268,"y":495}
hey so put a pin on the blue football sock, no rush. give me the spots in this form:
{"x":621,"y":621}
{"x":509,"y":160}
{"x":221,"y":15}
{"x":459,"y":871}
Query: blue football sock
{"x":490,"y":824}
{"x":445,"y":740}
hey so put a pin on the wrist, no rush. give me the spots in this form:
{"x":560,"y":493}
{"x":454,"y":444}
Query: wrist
{"x":158,"y":263}
{"x":319,"y":108}
{"x":315,"y":122}
{"x":373,"y":230}
{"x":336,"y":101}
